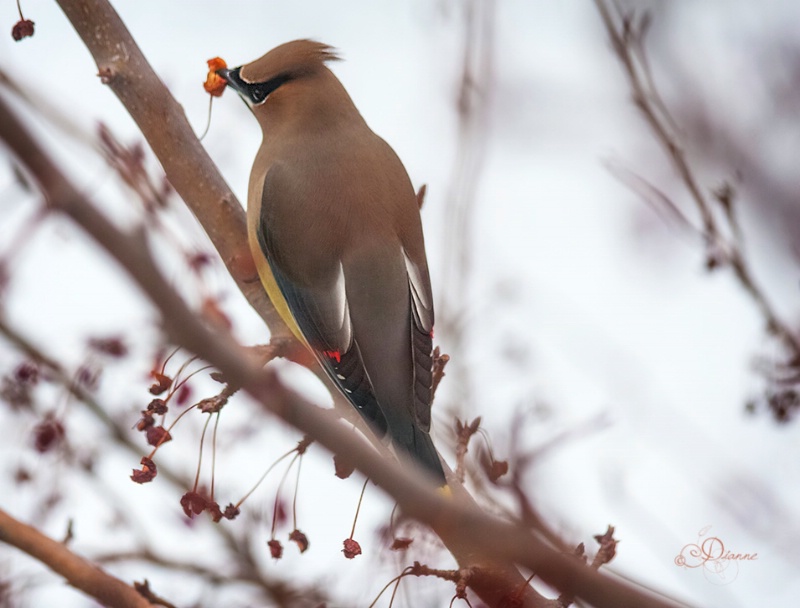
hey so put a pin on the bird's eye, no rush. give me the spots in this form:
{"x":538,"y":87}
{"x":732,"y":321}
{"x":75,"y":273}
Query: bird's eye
{"x":259,"y":91}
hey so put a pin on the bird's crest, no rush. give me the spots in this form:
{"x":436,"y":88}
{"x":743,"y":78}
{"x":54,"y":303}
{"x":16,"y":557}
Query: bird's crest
{"x":294,"y":58}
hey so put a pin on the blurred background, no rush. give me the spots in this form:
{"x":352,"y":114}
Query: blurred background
{"x":625,"y":382}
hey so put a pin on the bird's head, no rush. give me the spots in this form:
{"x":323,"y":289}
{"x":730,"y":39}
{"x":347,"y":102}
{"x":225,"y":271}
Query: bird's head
{"x":293,"y":61}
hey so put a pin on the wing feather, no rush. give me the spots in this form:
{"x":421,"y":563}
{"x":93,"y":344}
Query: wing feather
{"x":421,"y":305}
{"x":323,"y":316}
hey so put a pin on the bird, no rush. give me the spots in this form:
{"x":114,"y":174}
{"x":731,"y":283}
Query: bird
{"x":334,"y":228}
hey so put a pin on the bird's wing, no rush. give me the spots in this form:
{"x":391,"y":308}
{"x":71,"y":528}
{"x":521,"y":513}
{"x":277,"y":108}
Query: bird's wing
{"x":421,"y":305}
{"x":322,"y":314}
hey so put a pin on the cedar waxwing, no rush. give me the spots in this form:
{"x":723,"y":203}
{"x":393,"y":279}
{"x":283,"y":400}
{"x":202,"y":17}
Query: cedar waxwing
{"x":335,"y":231}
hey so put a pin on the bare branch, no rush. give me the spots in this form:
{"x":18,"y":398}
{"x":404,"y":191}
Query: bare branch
{"x":79,"y":573}
{"x":192,"y":173}
{"x":723,"y":243}
{"x":245,"y":562}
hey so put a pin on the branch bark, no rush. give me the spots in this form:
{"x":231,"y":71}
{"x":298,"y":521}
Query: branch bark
{"x":78,"y":572}
{"x":245,"y":561}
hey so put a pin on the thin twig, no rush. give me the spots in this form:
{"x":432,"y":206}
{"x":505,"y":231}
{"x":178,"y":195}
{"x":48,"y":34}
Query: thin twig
{"x":627,"y":40}
{"x":246,"y":563}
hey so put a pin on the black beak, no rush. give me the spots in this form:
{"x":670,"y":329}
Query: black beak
{"x":233,"y":80}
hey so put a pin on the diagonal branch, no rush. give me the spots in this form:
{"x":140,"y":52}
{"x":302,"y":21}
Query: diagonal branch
{"x":245,"y":562}
{"x":475,"y":538}
{"x":122,"y":66}
{"x":79,"y":573}
{"x":626,"y":34}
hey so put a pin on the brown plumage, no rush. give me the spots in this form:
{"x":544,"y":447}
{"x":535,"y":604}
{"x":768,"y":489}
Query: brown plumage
{"x":334,"y":228}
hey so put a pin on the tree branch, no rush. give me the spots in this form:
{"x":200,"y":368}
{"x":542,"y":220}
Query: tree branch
{"x":627,"y":40}
{"x":78,"y":572}
{"x":491,"y":546}
{"x":245,"y":563}
{"x":122,"y":66}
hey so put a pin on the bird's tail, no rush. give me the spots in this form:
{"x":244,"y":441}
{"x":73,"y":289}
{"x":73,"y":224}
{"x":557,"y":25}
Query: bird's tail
{"x":421,"y":449}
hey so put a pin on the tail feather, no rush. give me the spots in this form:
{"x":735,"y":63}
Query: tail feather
{"x":420,"y":447}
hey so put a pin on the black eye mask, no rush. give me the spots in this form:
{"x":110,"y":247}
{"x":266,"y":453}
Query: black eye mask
{"x":255,"y":92}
